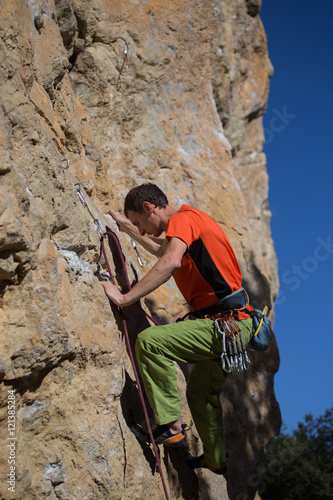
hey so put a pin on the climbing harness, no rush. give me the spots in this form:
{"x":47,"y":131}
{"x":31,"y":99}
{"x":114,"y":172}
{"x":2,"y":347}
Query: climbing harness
{"x":104,"y":234}
{"x":234,"y":357}
{"x":236,"y":301}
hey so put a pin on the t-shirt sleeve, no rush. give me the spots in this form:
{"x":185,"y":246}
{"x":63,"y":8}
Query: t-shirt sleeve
{"x":181,"y":226}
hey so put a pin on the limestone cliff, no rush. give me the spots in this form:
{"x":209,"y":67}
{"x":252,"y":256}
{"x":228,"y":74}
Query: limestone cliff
{"x":166,"y":91}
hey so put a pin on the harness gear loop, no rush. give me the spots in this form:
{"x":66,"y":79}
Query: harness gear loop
{"x":234,"y":357}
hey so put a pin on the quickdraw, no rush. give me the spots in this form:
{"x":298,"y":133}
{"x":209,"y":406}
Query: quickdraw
{"x":125,"y":62}
{"x":77,"y":188}
{"x":126,"y":52}
{"x":234,"y":357}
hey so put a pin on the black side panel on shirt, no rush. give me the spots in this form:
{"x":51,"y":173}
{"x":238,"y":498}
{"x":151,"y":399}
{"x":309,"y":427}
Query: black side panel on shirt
{"x":207,"y":268}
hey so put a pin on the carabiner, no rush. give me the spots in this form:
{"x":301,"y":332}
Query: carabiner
{"x":99,"y":228}
{"x":234,"y":345}
{"x":77,"y":187}
{"x":224,"y":356}
{"x":135,"y":246}
{"x":246,"y":359}
{"x":67,"y":164}
{"x":225,"y":359}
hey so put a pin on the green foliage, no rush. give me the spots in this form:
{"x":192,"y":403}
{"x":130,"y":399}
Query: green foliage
{"x":299,"y":466}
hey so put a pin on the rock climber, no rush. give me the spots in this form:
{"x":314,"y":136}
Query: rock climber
{"x":196,"y":252}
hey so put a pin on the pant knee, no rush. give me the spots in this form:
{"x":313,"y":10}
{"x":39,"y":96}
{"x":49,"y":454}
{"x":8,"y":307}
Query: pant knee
{"x":139,"y":346}
{"x":144,"y":339}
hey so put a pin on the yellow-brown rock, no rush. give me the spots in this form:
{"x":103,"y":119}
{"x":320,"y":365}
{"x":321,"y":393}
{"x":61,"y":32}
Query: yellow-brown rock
{"x":170,"y":92}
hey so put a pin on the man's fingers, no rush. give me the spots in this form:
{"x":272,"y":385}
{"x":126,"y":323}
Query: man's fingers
{"x":112,"y":292}
{"x":110,"y":212}
{"x":118,"y":217}
{"x":108,"y":287}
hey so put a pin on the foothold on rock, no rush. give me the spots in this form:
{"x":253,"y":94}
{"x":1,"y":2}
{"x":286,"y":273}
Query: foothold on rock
{"x":55,"y":473}
{"x":39,"y":22}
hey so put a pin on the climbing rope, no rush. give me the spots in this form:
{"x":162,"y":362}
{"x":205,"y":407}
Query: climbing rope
{"x":129,"y":349}
{"x":103,"y":234}
{"x":122,"y":258}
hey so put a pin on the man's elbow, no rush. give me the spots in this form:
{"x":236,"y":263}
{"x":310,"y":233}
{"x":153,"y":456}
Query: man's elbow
{"x":175,"y":265}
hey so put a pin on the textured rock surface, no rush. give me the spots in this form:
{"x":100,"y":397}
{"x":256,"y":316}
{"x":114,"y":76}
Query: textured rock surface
{"x":67,"y":92}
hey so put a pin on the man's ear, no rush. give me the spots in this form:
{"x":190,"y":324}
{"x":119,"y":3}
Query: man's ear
{"x":147,"y":207}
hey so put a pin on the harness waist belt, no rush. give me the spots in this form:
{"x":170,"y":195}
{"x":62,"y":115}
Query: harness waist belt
{"x":236,"y":301}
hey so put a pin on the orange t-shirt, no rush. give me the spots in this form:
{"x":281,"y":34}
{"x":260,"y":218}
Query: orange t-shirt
{"x":209,"y":270}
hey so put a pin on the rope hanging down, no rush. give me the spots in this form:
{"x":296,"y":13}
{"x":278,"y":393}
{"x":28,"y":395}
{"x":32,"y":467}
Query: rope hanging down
{"x":103,"y":234}
{"x":130,"y":353}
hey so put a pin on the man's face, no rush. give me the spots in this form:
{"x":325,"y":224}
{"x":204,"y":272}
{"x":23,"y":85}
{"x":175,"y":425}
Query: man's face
{"x":147,"y":222}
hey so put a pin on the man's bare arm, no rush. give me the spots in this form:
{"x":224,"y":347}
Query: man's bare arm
{"x":153,"y":245}
{"x":159,"y":274}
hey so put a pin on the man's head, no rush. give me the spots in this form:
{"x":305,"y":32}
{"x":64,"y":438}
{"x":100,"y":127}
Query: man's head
{"x":147,"y":208}
{"x":146,"y":192}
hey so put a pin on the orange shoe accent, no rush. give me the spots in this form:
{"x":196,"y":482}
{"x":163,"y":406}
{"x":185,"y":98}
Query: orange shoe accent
{"x":175,"y":440}
{"x":162,"y":435}
{"x":217,"y":470}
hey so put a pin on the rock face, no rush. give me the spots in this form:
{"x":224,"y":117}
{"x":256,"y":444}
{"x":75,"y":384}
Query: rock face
{"x":165,"y":91}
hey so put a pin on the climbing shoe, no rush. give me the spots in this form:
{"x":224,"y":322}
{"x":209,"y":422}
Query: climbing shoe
{"x":199,"y":462}
{"x":162,"y":435}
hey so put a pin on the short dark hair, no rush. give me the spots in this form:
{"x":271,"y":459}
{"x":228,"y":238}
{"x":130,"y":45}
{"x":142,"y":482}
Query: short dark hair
{"x":146,"y":192}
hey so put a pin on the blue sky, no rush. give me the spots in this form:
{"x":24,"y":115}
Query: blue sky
{"x":299,"y":130}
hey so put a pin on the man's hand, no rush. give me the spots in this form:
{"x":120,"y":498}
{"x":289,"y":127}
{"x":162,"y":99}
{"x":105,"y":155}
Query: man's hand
{"x":113,"y":293}
{"x":155,"y":246}
{"x":159,"y":274}
{"x":120,"y":219}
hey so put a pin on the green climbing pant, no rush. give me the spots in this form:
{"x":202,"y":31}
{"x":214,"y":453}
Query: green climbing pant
{"x":196,"y":342}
